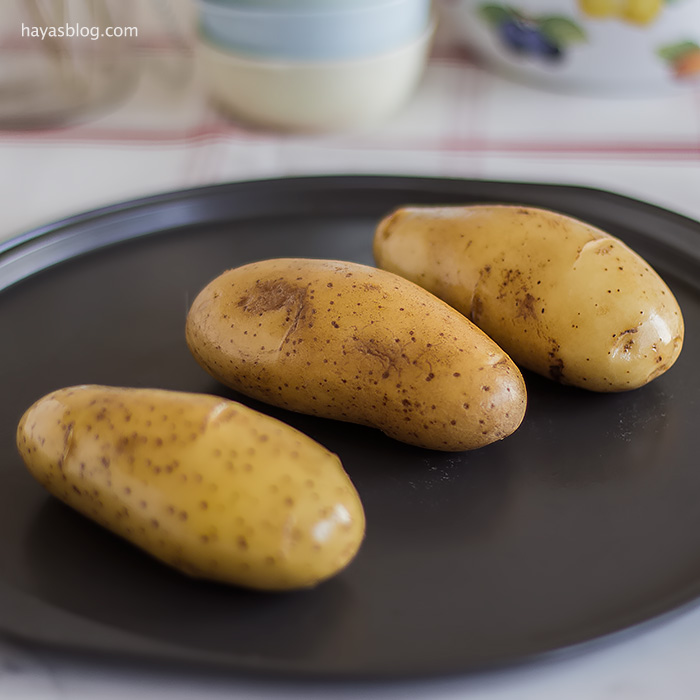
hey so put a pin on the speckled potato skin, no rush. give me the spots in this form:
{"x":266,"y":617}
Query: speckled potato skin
{"x":562,"y":298}
{"x":206,"y":485}
{"x":357,"y":344}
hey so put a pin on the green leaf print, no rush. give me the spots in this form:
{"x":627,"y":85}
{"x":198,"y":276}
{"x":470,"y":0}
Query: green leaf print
{"x":561,"y":30}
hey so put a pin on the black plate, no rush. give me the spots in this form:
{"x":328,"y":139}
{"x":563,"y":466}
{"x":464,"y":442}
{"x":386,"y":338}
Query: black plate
{"x":584,"y":522}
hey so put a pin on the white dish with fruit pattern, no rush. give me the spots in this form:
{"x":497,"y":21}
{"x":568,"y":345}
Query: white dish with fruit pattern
{"x":622,"y":46}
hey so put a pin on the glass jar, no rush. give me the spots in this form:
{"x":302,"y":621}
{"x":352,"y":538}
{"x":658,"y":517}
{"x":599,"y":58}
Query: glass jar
{"x":62,"y":60}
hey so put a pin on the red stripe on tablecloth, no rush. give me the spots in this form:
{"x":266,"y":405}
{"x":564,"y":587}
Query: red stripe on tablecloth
{"x":454,"y":144}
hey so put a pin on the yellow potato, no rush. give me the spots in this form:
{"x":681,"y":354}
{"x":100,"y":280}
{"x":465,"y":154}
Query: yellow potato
{"x":561,"y":297}
{"x":206,"y":485}
{"x":354,"y":343}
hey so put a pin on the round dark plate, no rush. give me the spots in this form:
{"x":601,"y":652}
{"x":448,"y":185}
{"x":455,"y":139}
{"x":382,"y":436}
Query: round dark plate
{"x":582,"y":523}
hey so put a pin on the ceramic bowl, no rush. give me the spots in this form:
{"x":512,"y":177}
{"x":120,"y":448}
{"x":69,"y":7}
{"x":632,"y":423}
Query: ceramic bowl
{"x":615,"y":46}
{"x":313,"y":95}
{"x":308,"y":30}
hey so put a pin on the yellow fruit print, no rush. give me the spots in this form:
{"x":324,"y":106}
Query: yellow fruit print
{"x":600,"y":8}
{"x":639,"y":12}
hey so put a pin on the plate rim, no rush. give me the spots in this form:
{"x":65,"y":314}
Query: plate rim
{"x":119,"y":206}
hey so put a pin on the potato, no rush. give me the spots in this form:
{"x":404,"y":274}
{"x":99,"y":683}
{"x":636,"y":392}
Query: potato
{"x":204,"y":484}
{"x":354,"y":343}
{"x":563,"y":298}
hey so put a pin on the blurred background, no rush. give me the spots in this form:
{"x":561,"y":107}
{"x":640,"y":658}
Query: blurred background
{"x":604,"y":93}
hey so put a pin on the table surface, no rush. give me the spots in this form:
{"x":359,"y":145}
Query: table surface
{"x":463,"y":122}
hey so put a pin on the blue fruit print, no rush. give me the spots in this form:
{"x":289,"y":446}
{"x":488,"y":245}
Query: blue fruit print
{"x":526,"y":38}
{"x":542,"y":38}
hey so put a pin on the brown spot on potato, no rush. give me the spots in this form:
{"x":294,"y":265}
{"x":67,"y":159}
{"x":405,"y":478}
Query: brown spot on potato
{"x":556,"y":369}
{"x":388,"y":355}
{"x":511,"y":277}
{"x":526,"y":307}
{"x":272,"y":295}
{"x":477,"y":309}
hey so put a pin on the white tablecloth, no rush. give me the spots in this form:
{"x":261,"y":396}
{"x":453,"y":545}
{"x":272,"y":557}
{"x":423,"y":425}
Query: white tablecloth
{"x":463,"y":122}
